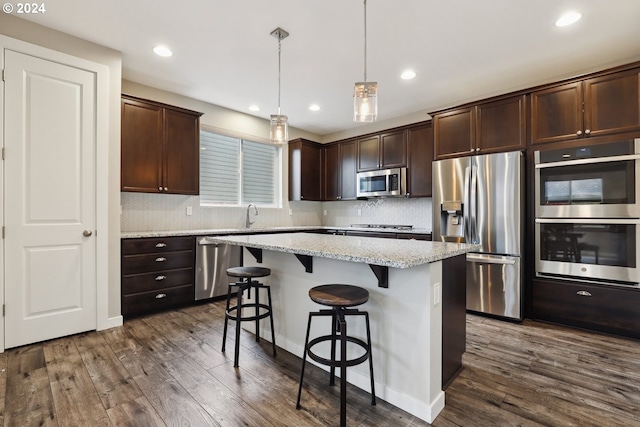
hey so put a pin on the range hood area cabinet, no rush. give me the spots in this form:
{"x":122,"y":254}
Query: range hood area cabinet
{"x":160,"y":148}
{"x":489,"y":127}
{"x":382,"y":151}
{"x":603,"y":105}
{"x":305,"y":170}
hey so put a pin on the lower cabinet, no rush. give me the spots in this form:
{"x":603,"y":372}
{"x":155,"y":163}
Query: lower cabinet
{"x":157,"y":273}
{"x":596,"y":307}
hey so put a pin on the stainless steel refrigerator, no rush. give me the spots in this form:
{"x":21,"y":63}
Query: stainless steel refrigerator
{"x":479,"y":199}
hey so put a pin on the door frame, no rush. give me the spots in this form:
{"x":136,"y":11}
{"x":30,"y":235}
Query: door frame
{"x":101,"y":72}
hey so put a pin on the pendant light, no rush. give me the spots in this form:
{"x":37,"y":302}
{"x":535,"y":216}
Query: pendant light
{"x":279,"y":129}
{"x":365,"y":94}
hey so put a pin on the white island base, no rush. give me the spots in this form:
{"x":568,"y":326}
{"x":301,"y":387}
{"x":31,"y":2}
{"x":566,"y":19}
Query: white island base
{"x":406,"y":324}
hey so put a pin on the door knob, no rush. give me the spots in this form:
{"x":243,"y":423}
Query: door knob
{"x":87,"y":233}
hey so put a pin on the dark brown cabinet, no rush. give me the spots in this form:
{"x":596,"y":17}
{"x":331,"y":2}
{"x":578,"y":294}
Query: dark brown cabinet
{"x":340,"y":171}
{"x":385,"y":150}
{"x":489,"y":127}
{"x":305,"y":170}
{"x":160,"y":148}
{"x":419,"y":158}
{"x":602,"y":105}
{"x":157,"y":273}
{"x":596,"y":307}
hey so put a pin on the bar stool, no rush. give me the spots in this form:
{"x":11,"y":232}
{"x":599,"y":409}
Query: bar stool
{"x":246,"y":282}
{"x":340,"y":298}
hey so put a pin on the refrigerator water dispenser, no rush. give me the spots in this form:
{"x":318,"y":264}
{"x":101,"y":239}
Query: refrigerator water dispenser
{"x":451,"y":219}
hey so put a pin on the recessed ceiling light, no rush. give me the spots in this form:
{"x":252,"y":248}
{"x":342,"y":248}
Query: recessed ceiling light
{"x":568,"y":19}
{"x":407,"y":75}
{"x":162,"y":51}
{"x":254,"y":108}
{"x":314,"y":107}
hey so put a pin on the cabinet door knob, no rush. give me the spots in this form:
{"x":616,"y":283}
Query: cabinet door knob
{"x":161,"y":259}
{"x":160,"y":296}
{"x":584,"y":293}
{"x":166,"y":189}
{"x":478,"y":149}
{"x":579,"y":133}
{"x":159,"y":188}
{"x":159,"y":278}
{"x":587,"y":131}
{"x":472,"y":150}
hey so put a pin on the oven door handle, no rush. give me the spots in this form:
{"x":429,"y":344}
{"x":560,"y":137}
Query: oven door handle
{"x":588,"y":161}
{"x":587,"y":221}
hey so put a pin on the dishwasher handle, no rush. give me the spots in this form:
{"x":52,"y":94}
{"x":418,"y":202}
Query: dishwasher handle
{"x":204,"y":242}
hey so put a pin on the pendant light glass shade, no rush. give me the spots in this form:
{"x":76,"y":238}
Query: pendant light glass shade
{"x":279,"y":126}
{"x":365,"y":94}
{"x":365,"y":102}
{"x":279,"y":132}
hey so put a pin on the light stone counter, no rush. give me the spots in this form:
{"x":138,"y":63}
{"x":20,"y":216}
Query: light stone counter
{"x":368,"y":250}
{"x":263,"y":230}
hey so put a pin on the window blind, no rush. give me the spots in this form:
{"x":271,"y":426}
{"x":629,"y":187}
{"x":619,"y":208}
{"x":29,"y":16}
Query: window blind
{"x":258,"y":173}
{"x":219,"y":168}
{"x":236,"y":171}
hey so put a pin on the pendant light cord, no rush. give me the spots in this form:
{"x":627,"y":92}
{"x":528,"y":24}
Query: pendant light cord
{"x":279,"y":66}
{"x":365,"y":40}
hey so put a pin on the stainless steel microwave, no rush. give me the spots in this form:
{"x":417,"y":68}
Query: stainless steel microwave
{"x":382,"y":183}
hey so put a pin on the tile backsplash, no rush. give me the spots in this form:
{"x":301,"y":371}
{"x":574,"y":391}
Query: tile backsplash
{"x":163,"y":212}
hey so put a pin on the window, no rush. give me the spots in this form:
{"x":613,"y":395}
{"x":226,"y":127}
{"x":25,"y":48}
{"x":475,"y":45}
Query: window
{"x":235,"y":171}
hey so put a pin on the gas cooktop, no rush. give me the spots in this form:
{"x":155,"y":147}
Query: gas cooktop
{"x":391,"y":226}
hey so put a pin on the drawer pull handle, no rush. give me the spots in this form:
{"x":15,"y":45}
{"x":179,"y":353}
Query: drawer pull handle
{"x":160,"y":296}
{"x":161,"y":245}
{"x":161,"y":259}
{"x":159,"y":278}
{"x":584,"y":293}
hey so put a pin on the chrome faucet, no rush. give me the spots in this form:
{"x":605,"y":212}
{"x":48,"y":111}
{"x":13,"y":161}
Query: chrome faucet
{"x":248,"y":223}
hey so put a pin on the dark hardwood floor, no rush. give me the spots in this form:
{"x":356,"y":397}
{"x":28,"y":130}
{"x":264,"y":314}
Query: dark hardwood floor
{"x":167,"y":369}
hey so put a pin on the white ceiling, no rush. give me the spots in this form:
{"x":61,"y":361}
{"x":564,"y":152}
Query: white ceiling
{"x":461,"y":50}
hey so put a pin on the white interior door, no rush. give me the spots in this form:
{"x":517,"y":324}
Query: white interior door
{"x":50,"y":199}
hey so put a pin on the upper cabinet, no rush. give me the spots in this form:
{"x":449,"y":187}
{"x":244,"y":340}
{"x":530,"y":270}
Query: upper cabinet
{"x":592,"y":107}
{"x":160,"y":148}
{"x":420,"y":156}
{"x":305,"y":170}
{"x":488,"y":127}
{"x":381,"y":151}
{"x":340,"y":171}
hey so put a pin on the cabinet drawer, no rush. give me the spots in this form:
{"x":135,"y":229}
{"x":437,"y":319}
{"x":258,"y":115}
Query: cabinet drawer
{"x":157,"y":245}
{"x":133,"y":264}
{"x":156,"y":300}
{"x":598,"y":307}
{"x":136,"y":283}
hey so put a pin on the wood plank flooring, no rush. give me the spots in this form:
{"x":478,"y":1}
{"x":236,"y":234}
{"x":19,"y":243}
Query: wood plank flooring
{"x":167,"y":370}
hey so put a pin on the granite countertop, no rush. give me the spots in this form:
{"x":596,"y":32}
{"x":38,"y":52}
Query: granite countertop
{"x":255,"y":230}
{"x":369,"y":250}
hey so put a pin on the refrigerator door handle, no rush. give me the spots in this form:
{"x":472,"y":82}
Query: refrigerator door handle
{"x":466,"y":208}
{"x":474,"y":205}
{"x":491,"y":259}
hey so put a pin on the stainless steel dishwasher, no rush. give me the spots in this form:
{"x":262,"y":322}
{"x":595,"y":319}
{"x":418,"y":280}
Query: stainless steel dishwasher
{"x":212,"y":261}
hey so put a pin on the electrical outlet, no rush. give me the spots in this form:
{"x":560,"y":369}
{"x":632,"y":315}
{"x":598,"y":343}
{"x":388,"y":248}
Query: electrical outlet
{"x":290,"y":212}
{"x":359,"y":212}
{"x":189,"y":210}
{"x":436,"y":293}
{"x":324,"y":212}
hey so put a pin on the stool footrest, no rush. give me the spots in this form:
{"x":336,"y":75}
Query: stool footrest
{"x":232,"y":316}
{"x":338,"y":363}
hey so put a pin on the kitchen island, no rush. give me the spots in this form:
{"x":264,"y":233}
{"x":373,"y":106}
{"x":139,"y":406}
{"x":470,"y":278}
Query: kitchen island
{"x":416,"y":288}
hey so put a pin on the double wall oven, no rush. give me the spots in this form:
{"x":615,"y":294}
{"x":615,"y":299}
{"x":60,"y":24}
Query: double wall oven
{"x":588,"y":213}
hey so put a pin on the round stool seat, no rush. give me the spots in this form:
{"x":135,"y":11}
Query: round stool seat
{"x":248,"y":272}
{"x":339,"y":295}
